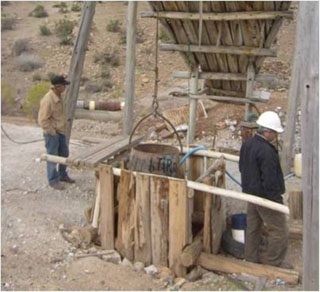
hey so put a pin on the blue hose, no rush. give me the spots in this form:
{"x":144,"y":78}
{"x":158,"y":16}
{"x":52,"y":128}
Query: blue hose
{"x":189,"y":153}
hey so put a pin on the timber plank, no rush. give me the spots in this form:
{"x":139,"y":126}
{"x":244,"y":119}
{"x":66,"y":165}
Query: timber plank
{"x":106,"y":226}
{"x":142,"y":247}
{"x":159,"y":190}
{"x":230,"y":265}
{"x":126,"y":197}
{"x":178,"y":224}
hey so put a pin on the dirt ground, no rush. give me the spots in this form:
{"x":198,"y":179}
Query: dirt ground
{"x":34,"y":255}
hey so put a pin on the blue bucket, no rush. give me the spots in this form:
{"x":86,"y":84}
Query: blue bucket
{"x":239,"y":221}
{"x":238,"y":227}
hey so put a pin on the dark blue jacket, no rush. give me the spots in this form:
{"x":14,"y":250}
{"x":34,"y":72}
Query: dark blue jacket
{"x":261,"y":173}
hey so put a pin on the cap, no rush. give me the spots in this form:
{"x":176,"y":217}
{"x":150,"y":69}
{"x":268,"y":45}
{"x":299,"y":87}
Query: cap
{"x":59,"y":79}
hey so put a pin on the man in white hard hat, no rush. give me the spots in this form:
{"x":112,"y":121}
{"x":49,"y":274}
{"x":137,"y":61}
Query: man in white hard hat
{"x":261,"y":175}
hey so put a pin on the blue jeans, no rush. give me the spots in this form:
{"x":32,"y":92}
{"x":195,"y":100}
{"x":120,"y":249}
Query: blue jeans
{"x":56,"y":145}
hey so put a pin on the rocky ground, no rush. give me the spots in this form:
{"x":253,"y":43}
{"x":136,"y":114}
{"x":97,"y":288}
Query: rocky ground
{"x":34,"y":254}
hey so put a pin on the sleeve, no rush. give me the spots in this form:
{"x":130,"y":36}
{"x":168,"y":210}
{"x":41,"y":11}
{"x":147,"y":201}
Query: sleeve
{"x":268,"y":168}
{"x":45,"y":113}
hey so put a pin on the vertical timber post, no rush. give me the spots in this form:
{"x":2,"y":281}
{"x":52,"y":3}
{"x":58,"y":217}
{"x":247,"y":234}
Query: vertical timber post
{"x":77,"y":62}
{"x":249,"y":87}
{"x":308,"y":33}
{"x":130,"y":66}
{"x":192,"y":107}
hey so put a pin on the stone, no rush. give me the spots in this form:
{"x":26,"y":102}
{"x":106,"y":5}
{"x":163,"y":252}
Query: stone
{"x":125,"y":262}
{"x":114,"y":257}
{"x":179,"y":282}
{"x":138,"y":266}
{"x":92,"y":250}
{"x":145,"y":80}
{"x":151,"y":270}
{"x":166,"y":275}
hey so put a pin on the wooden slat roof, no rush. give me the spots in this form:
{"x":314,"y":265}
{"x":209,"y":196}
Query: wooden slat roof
{"x":234,"y":34}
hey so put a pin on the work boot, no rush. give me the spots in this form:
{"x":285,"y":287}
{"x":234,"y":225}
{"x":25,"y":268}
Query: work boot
{"x":56,"y":186}
{"x":68,"y":180}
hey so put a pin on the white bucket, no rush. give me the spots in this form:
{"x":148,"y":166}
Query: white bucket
{"x":238,"y":235}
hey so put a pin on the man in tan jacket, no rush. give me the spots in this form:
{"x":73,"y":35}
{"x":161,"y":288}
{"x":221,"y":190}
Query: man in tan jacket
{"x":52,"y":120}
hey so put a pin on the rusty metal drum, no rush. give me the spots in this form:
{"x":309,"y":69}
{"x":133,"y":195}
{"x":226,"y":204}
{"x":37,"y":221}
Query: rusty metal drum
{"x":157,"y":159}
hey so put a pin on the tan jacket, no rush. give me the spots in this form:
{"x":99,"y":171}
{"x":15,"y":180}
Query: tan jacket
{"x":51,"y":114}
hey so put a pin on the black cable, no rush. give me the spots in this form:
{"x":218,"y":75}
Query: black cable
{"x":18,"y":142}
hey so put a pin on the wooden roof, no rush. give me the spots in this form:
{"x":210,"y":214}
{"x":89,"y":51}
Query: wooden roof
{"x":233,"y":35}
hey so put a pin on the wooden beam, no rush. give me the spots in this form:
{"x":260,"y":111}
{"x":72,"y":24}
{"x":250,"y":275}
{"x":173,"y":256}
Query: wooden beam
{"x":106,"y":224}
{"x":243,"y":50}
{"x":77,"y":62}
{"x":178,"y":224}
{"x":225,"y":98}
{"x":130,"y":66}
{"x":230,"y":265}
{"x":225,"y":76}
{"x":229,"y":16}
{"x":308,"y":32}
{"x":191,"y":252}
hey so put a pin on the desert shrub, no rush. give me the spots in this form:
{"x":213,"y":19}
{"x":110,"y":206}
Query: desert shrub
{"x":92,"y":87}
{"x":63,"y":10}
{"x":106,"y":84}
{"x":31,"y":104}
{"x":140,"y":36}
{"x":36,"y":77}
{"x":163,"y":35}
{"x":39,"y":12}
{"x":104,"y":58}
{"x":20,"y":46}
{"x":7,"y":98}
{"x":8,"y":21}
{"x":117,"y":92}
{"x":114,"y":26}
{"x":75,"y":7}
{"x":60,"y":5}
{"x":64,"y":29}
{"x":44,"y":30}
{"x":123,"y":37}
{"x":105,"y":71}
{"x":28,"y":62}
{"x":50,"y":75}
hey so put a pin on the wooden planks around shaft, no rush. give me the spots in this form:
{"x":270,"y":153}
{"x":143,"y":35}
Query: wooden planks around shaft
{"x":106,"y":194}
{"x":178,"y":224}
{"x":126,"y":219}
{"x":159,"y":188}
{"x":142,"y":235}
{"x":230,"y":265}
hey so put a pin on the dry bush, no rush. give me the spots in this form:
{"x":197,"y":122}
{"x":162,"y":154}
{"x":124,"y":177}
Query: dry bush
{"x":28,"y":62}
{"x":92,"y":87}
{"x":44,"y":30}
{"x":76,"y":7}
{"x":39,"y":12}
{"x":36,"y":77}
{"x":105,"y":57}
{"x":7,"y":98}
{"x":21,"y":46}
{"x":64,"y":30}
{"x":114,"y":26}
{"x":8,"y":21}
{"x":31,"y":104}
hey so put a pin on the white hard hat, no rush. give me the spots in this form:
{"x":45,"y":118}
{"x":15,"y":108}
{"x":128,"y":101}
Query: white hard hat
{"x":271,"y":121}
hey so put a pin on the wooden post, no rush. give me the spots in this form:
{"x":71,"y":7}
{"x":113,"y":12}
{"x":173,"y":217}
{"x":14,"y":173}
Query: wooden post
{"x":77,"y":62}
{"x":308,"y":60}
{"x":295,"y":204}
{"x":178,"y":224}
{"x":130,"y":66}
{"x":159,"y":188}
{"x":249,"y":87}
{"x":192,"y":107}
{"x":126,"y":198}
{"x":142,"y":245}
{"x":106,"y":226}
